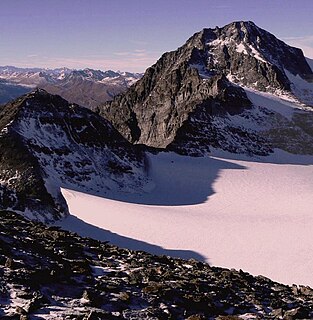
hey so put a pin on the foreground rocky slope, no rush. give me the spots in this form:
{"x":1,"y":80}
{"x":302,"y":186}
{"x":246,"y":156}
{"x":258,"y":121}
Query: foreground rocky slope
{"x":195,"y":98}
{"x":47,"y":143}
{"x":47,"y":273}
{"x":86,"y":87}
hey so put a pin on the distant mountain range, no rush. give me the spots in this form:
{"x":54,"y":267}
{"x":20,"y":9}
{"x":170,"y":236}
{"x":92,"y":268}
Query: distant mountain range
{"x":85,"y":87}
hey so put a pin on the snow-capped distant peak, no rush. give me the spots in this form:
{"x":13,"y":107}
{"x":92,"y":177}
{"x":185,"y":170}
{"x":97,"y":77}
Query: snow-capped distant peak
{"x":20,"y":75}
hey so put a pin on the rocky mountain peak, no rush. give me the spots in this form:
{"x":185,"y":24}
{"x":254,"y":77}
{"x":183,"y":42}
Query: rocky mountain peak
{"x":248,"y":55}
{"x":238,"y":31}
{"x":205,"y":80}
{"x":39,"y":101}
{"x":39,"y":94}
{"x":47,"y":143}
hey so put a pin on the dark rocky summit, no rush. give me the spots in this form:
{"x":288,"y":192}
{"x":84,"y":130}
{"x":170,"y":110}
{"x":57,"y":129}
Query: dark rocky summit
{"x":47,"y":273}
{"x":47,"y":143}
{"x":252,"y":55}
{"x":188,"y":100}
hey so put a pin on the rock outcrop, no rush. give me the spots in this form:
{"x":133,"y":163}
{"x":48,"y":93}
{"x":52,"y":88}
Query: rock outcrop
{"x":49,"y":273}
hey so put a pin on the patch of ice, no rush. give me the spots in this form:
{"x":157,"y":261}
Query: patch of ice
{"x":6,"y":128}
{"x":99,"y":271}
{"x":256,"y":54}
{"x":219,"y":42}
{"x":241,"y":48}
{"x":249,"y":50}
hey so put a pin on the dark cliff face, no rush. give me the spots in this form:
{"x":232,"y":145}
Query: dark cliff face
{"x":154,"y":108}
{"x":47,"y":143}
{"x":207,"y":70}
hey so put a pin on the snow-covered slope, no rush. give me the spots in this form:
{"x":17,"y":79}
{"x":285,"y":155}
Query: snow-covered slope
{"x":233,"y":89}
{"x":47,"y":143}
{"x":251,"y":214}
{"x":301,"y":88}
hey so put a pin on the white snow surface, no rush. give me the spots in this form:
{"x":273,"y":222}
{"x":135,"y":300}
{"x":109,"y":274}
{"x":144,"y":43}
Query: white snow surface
{"x":241,"y":48}
{"x":301,"y":88}
{"x":249,"y":50}
{"x":244,"y":213}
{"x":256,"y":54}
{"x":280,"y":103}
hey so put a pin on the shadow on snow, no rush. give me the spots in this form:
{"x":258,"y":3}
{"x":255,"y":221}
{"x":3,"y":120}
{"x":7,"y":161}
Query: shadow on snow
{"x":84,"y":229}
{"x":177,"y":181}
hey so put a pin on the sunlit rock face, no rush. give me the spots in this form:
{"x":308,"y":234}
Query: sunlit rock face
{"x":195,"y":98}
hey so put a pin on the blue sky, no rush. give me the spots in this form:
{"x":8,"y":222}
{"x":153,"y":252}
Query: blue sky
{"x":132,"y":34}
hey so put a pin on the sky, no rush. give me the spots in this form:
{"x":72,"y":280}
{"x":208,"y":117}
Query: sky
{"x":130,"y":35}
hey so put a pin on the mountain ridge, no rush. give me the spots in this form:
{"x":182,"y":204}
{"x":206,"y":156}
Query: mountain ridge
{"x":207,"y":78}
{"x":47,"y":143}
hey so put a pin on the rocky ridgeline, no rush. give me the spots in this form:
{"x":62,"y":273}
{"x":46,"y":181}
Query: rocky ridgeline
{"x":47,"y":143}
{"x":47,"y":273}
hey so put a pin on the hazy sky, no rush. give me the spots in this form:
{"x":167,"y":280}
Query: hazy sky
{"x":132,"y":34}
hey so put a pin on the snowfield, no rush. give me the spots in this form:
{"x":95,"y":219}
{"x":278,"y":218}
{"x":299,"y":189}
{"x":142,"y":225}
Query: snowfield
{"x":230,"y":211}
